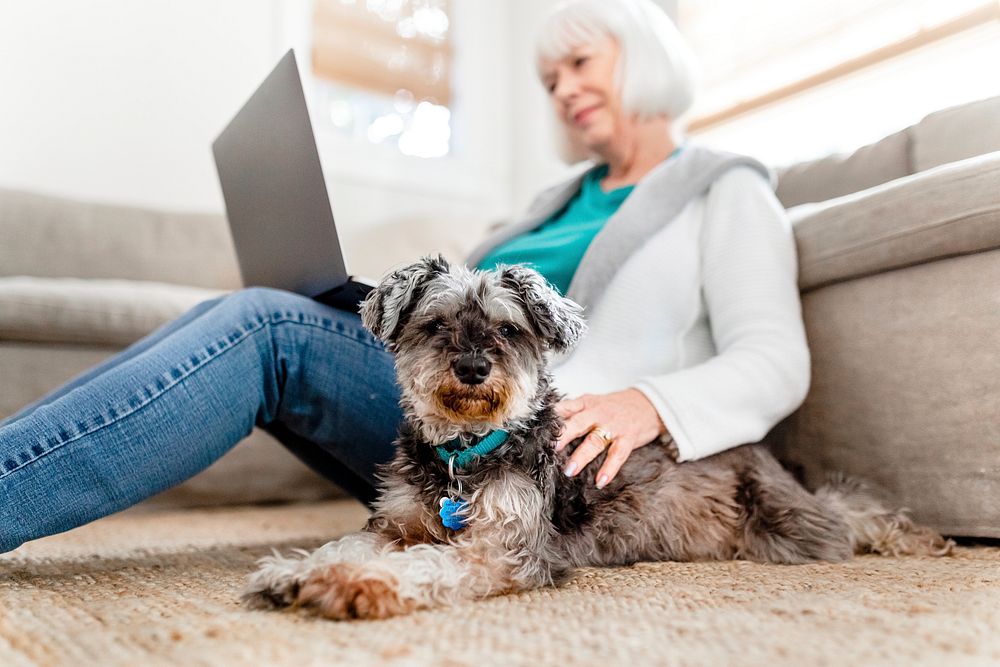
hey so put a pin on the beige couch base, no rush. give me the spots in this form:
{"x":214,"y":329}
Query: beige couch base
{"x":906,"y":390}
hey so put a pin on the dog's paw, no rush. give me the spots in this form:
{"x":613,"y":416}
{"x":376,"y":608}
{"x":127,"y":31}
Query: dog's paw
{"x":345,"y":591}
{"x":275,"y":584}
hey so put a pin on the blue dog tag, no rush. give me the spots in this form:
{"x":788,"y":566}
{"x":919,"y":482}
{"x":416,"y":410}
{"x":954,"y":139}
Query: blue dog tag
{"x":448,"y":513}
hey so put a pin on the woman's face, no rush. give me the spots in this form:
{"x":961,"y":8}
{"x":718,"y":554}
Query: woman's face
{"x":583,"y":90}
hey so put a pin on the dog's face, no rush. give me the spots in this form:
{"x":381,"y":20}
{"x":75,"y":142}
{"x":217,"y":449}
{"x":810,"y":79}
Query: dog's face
{"x":470,"y":345}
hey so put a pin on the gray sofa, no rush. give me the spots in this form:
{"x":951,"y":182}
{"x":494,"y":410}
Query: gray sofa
{"x":899,"y":247}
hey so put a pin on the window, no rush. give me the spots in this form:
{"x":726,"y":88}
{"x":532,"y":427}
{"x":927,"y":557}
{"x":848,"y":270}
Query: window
{"x":833,"y":75}
{"x":382,"y":68}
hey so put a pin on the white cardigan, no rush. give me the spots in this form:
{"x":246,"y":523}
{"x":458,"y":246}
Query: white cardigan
{"x":704,"y":319}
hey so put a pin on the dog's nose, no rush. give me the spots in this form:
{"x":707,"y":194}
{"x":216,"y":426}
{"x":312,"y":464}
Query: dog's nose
{"x":472,"y":368}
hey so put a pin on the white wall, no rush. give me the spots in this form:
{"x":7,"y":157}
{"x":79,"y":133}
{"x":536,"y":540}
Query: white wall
{"x":119,"y":100}
{"x":534,"y":160}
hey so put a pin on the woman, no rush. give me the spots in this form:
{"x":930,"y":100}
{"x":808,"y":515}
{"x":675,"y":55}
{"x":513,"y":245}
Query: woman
{"x":681,"y":256}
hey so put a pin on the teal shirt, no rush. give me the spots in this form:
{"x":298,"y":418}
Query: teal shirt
{"x":556,"y":247}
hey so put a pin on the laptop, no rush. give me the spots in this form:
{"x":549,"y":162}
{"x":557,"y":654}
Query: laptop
{"x":276,"y":199}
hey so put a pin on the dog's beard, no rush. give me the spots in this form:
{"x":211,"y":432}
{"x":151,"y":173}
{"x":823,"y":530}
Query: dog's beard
{"x":442,"y":400}
{"x":479,"y":403}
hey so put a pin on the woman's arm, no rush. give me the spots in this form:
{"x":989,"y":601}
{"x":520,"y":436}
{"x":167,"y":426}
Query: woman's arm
{"x":760,"y":373}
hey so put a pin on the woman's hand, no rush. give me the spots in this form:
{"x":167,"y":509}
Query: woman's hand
{"x":627,"y":415}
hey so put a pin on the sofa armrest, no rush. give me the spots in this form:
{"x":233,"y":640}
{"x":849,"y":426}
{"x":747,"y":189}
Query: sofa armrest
{"x":53,"y":237}
{"x":948,"y":211}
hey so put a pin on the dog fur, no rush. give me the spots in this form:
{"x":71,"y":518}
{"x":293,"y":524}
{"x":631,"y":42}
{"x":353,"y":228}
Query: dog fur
{"x":528,"y":525}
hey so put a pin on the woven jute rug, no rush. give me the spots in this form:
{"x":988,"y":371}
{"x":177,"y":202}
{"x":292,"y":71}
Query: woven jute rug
{"x":161,"y":588}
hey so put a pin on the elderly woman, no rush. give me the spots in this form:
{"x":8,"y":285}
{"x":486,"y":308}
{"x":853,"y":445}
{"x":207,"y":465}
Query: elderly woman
{"x":681,"y":256}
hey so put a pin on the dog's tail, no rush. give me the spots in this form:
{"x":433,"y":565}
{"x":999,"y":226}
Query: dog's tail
{"x":875,"y":528}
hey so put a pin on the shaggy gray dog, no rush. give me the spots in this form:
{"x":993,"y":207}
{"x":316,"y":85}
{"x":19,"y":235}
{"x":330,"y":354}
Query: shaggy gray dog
{"x":471,"y":349}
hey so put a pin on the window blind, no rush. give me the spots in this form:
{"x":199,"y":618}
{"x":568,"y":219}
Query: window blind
{"x":384,"y":46}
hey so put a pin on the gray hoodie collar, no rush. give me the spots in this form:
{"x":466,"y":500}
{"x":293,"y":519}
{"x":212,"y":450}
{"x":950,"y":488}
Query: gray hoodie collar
{"x":657,"y":199}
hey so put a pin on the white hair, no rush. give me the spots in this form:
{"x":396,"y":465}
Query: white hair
{"x":656,"y":69}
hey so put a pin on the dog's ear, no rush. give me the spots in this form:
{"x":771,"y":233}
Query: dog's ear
{"x":387,"y":307}
{"x":557,"y":320}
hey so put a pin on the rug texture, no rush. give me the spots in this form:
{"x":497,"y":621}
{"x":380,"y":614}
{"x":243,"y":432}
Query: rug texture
{"x":161,"y":589}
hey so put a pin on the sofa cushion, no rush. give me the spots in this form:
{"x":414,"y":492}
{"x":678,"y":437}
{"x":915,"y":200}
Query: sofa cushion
{"x":947,"y":211}
{"x":837,"y":175}
{"x":956,"y":134}
{"x":104,"y":312}
{"x":55,"y":237}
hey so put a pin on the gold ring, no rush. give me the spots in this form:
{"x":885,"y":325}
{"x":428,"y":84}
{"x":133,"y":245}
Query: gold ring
{"x":606,"y":438}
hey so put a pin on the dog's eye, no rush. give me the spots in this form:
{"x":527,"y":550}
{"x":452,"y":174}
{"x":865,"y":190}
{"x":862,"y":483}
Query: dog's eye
{"x":434,"y":326}
{"x":508,"y":330}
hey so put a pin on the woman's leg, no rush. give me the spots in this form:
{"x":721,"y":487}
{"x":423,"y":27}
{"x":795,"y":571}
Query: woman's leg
{"x":126,"y":354}
{"x":315,"y":457}
{"x":259,"y":357}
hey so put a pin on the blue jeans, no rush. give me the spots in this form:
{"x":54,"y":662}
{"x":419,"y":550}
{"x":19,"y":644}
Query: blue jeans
{"x":174,"y":402}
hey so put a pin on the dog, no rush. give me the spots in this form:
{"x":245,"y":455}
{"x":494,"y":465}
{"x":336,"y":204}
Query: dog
{"x":474,"y":504}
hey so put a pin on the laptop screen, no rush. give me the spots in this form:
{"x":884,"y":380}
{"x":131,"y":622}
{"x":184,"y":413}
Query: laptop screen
{"x":276,"y":197}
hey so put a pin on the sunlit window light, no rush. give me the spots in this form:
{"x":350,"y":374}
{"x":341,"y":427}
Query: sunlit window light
{"x":408,"y":41}
{"x":429,"y":133}
{"x":418,"y":128}
{"x":384,"y":127}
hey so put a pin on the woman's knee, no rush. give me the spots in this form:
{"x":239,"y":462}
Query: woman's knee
{"x":265,"y":301}
{"x":260,"y":304}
